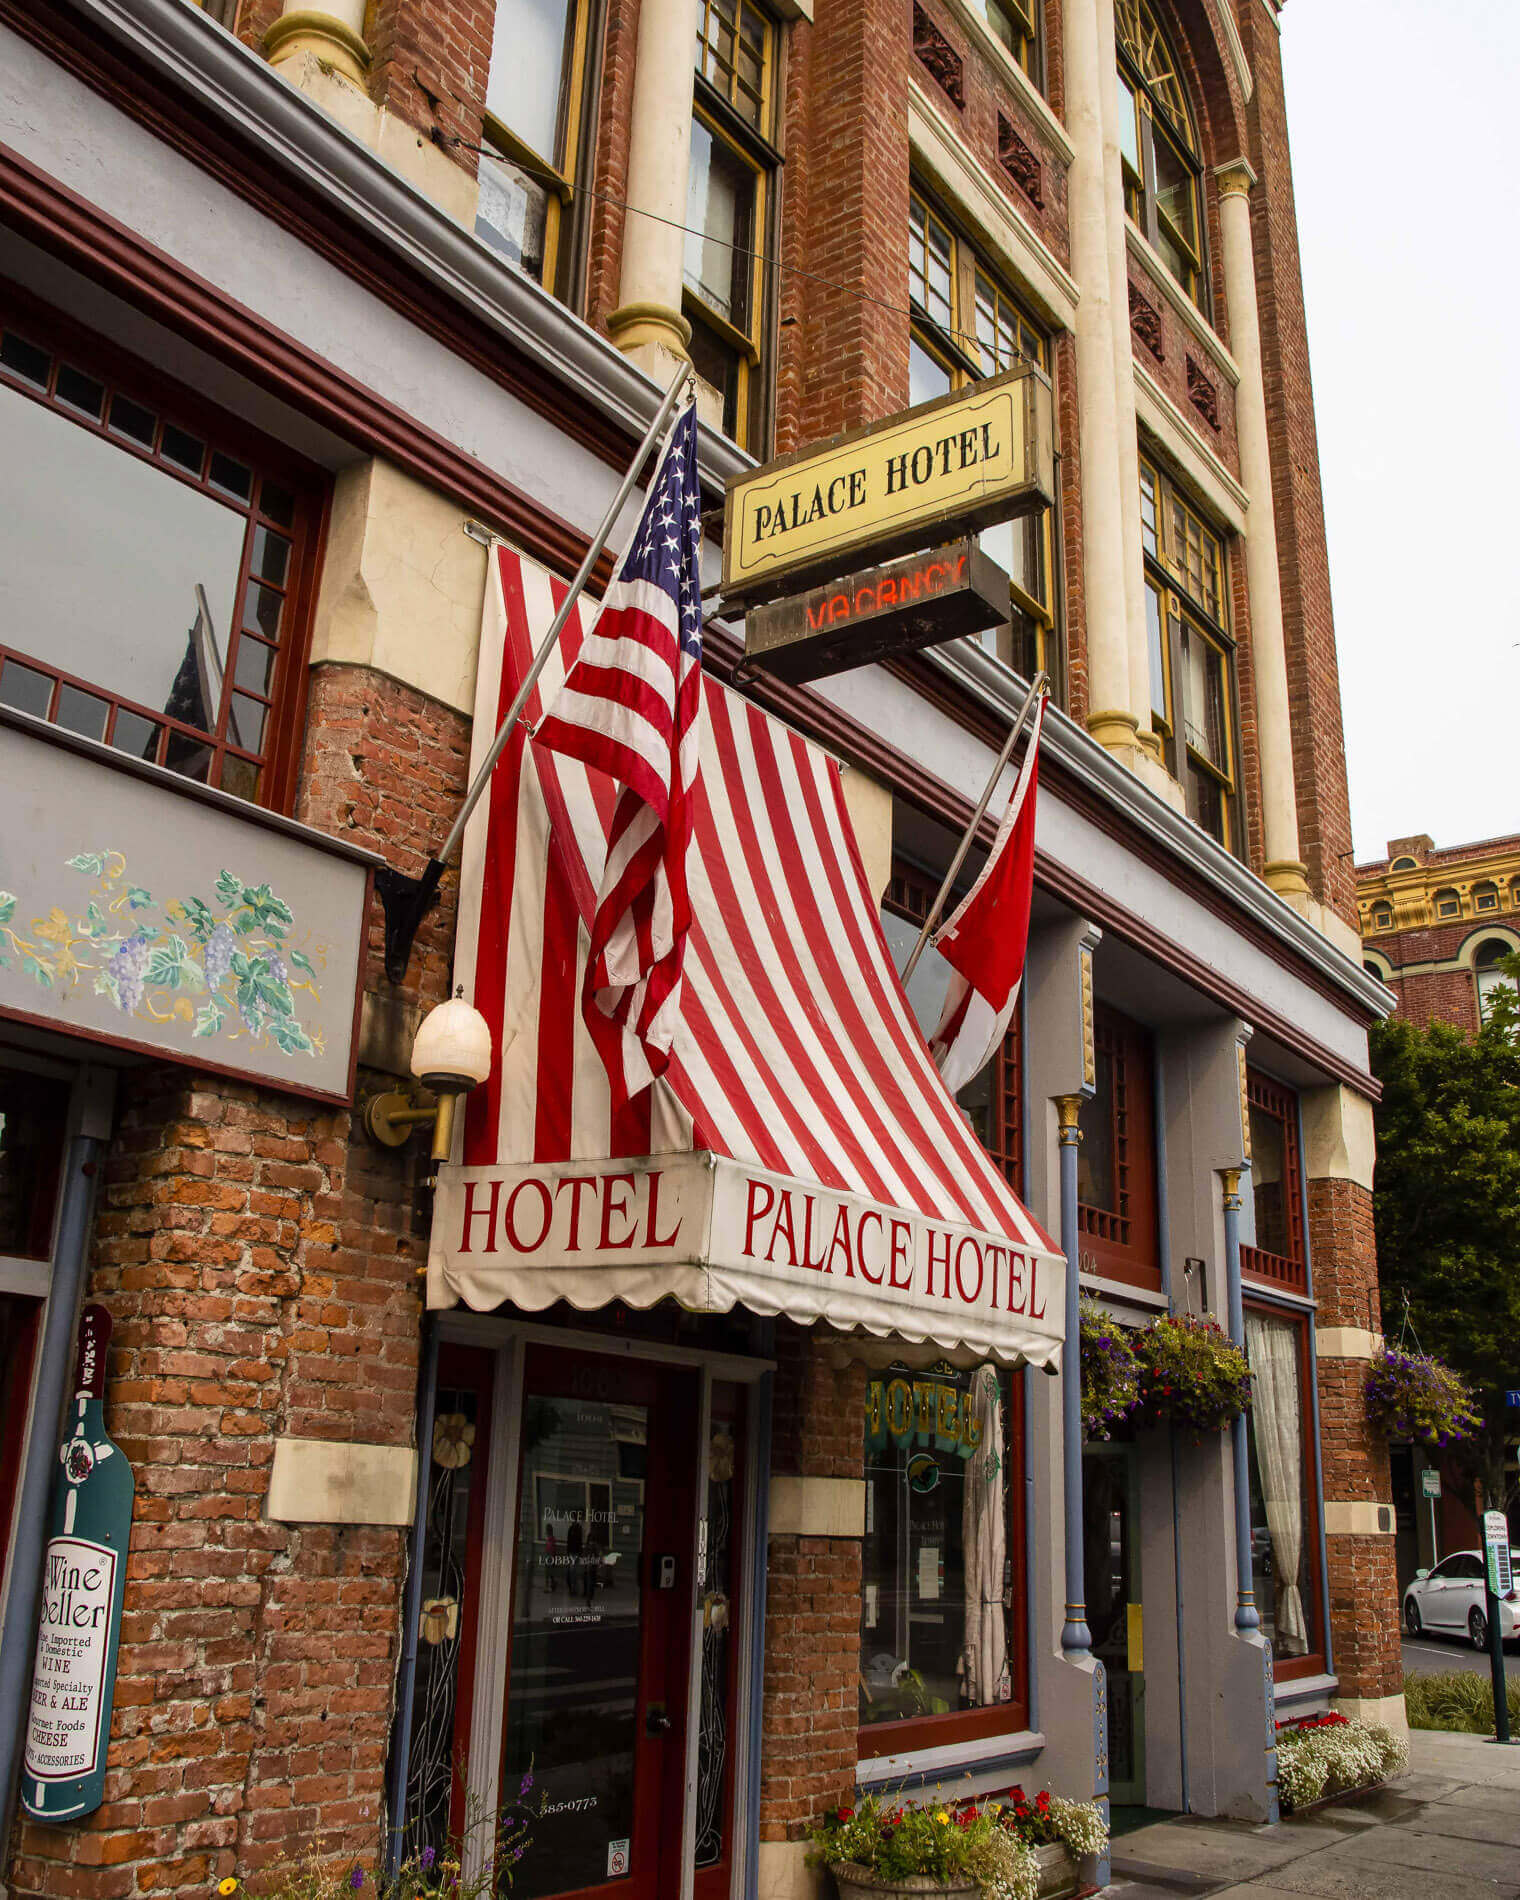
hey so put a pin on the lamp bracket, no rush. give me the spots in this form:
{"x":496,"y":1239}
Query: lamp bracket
{"x":405,"y":901}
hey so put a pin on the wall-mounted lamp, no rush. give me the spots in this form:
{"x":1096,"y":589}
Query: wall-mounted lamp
{"x":451,"y":1056}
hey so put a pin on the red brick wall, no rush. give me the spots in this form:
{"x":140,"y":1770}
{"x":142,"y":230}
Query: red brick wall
{"x":1364,"y":1593}
{"x":812,"y":1609}
{"x":259,"y":1261}
{"x":430,"y":60}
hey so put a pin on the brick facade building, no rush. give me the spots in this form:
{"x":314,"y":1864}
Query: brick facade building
{"x":1437,"y":924}
{"x":326,"y":328}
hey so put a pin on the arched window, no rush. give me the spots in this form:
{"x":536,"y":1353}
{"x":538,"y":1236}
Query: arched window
{"x":1448,"y":904}
{"x":1162,"y":171}
{"x":1382,"y":916}
{"x":1374,"y":968}
{"x":1485,"y":896}
{"x":1489,"y":973}
{"x":1402,"y":864}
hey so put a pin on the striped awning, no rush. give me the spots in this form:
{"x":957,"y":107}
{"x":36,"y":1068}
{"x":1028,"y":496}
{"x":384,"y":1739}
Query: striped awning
{"x":801,"y":1155}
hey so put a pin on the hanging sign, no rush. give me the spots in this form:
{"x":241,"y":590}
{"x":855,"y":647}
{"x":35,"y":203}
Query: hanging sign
{"x":948,"y":467}
{"x":1430,"y":1482}
{"x":918,"y":602}
{"x":1496,"y":1553}
{"x":84,"y":1577}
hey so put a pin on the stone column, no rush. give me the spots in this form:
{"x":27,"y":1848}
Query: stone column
{"x":648,"y":325}
{"x":334,"y":32}
{"x":1284,"y":870}
{"x":1076,"y":1637}
{"x":1126,"y":429}
{"x":1110,"y":698}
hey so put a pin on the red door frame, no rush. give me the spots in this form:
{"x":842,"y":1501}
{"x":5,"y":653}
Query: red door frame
{"x":672,"y":1396}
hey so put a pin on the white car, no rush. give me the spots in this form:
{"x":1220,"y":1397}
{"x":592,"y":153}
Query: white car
{"x":1449,"y":1600}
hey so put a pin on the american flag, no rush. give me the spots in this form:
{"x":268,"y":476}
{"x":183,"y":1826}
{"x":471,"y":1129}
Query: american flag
{"x":631,"y":707}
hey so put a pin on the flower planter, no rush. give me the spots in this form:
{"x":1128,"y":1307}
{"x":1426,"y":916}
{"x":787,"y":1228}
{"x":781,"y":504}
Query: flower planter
{"x":859,"y":1883}
{"x":1058,"y":1871}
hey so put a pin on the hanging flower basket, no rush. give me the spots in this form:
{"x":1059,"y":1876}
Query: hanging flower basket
{"x":1410,"y":1395}
{"x":1110,"y":1377}
{"x":1191,"y":1374}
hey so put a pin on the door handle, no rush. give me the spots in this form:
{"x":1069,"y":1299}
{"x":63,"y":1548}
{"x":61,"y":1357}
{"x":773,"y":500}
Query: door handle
{"x":656,"y":1721}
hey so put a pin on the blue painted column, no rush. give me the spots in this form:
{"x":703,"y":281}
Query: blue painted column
{"x":1245,"y":1594}
{"x":411,"y":1613}
{"x":1076,"y":1638}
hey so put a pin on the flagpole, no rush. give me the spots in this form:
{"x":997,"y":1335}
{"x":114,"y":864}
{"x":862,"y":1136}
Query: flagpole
{"x":407,"y":900}
{"x":1040,"y":683}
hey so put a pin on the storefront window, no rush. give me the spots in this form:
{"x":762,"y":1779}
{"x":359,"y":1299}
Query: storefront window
{"x":1116,"y":1161}
{"x":1278,"y":1255}
{"x":942,"y":1564}
{"x":1284,"y":1554}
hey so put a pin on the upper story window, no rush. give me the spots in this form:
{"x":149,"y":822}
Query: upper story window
{"x":1016,"y":23}
{"x":965,"y":327}
{"x":1485,"y":896}
{"x":1490,"y":975}
{"x":156,"y":569}
{"x":1278,"y":1256}
{"x":1403,"y":864}
{"x":1448,"y":904}
{"x":1159,"y":146}
{"x":1192,"y":656}
{"x":535,"y":125}
{"x":1116,"y":1162}
{"x":730,"y":208}
{"x":1382,"y":916}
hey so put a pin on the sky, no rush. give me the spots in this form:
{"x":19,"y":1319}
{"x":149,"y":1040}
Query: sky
{"x":1403,"y":120}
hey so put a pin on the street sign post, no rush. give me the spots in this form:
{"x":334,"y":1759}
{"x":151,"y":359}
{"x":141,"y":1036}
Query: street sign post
{"x":1430,"y":1485}
{"x":1498,"y":1581}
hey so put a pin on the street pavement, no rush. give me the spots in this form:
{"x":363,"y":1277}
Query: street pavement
{"x":1447,"y":1830}
{"x":1438,"y":1655}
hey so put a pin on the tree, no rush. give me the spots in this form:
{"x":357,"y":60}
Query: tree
{"x":1447,"y":1211}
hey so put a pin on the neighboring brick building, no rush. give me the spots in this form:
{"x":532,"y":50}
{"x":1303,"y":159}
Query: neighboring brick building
{"x":302,"y":307}
{"x":1437,"y":926}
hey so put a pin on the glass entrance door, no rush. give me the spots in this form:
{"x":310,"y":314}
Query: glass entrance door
{"x":594,"y":1749}
{"x":1111,"y":1542}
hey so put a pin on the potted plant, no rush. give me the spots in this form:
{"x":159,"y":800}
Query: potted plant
{"x":1329,"y":1754}
{"x":878,"y":1849}
{"x":1191,"y":1374}
{"x":1110,"y":1377}
{"x":1411,"y":1395}
{"x":1060,"y":1833}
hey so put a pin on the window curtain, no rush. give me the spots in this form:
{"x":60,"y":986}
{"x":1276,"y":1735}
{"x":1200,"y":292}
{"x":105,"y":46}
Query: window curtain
{"x":984,"y":1544}
{"x":1277,"y":1421}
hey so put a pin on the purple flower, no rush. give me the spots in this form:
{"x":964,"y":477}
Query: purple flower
{"x":427,"y":1858}
{"x":356,"y":1878}
{"x":527,"y":1783}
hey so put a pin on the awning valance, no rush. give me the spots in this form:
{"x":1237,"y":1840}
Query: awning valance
{"x":801,"y":1155}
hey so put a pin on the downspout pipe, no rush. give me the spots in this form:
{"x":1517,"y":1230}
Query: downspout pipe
{"x":1076,"y":1638}
{"x":1246,"y":1617}
{"x":411,"y":1611}
{"x":54,"y":1364}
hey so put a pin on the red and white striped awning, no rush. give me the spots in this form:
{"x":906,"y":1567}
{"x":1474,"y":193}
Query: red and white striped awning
{"x":801,"y":1155}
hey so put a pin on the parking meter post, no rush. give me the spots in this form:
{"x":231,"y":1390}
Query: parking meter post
{"x":1496,"y":1659}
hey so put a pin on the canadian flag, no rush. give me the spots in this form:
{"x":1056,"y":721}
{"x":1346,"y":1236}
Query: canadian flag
{"x":985,"y":939}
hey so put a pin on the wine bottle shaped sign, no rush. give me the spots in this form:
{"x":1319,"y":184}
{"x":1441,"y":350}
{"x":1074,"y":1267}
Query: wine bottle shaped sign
{"x":83,"y":1580}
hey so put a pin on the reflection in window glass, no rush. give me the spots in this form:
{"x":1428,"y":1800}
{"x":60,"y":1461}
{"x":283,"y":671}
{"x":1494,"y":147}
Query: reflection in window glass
{"x":1155,"y":642}
{"x":929,"y":274}
{"x":132,"y":586}
{"x":938,"y":1628}
{"x":1269,"y":1175}
{"x":576,"y":1635}
{"x":1281,"y":1514}
{"x":720,"y":201}
{"x":529,"y":59}
{"x":1204,"y":703}
{"x":927,"y":376}
{"x":1096,"y":1185}
{"x":512,"y":213}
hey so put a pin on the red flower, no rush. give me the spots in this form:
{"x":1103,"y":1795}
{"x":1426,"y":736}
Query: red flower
{"x":846,"y":1814}
{"x":1042,"y":1800}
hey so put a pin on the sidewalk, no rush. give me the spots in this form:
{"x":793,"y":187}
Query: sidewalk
{"x":1449,"y":1829}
